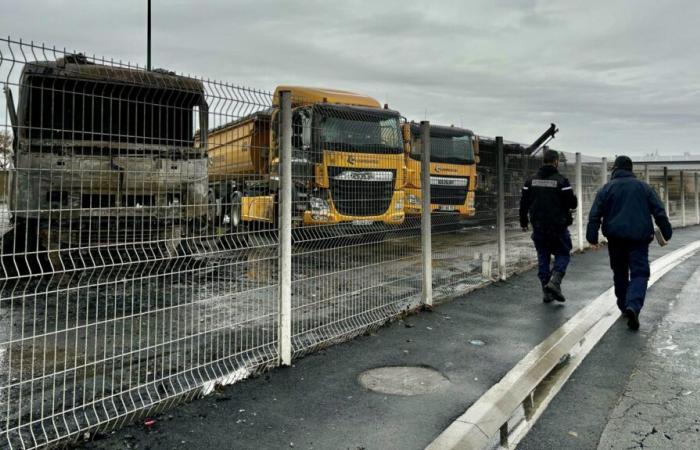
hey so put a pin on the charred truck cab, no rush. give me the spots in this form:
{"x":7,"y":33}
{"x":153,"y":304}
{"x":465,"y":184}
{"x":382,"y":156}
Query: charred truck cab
{"x":347,"y":162}
{"x":453,"y":154}
{"x":105,"y":159}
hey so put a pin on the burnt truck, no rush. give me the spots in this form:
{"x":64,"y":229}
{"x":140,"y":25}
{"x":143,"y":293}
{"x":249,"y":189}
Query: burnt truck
{"x":106,"y":170}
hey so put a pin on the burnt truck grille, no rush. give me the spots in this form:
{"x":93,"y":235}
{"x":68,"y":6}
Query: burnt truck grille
{"x":446,"y":194}
{"x":355,"y":196}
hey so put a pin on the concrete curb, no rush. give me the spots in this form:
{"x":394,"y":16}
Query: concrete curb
{"x":485,"y":423}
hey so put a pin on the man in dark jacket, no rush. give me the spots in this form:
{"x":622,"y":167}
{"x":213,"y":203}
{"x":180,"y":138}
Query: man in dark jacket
{"x":548,"y":200}
{"x":625,"y":206}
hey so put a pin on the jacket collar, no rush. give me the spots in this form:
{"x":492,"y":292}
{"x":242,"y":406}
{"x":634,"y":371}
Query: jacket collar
{"x":547,"y":171}
{"x":622,"y":173}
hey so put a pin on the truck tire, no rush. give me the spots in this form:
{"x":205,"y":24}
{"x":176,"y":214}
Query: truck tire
{"x":235,"y":237}
{"x":236,"y":205}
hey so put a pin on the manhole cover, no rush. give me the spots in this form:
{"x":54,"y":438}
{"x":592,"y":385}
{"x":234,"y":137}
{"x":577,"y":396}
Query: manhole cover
{"x":403,"y":380}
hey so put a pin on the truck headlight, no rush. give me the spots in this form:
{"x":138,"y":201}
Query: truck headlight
{"x":399,"y":205}
{"x":412,"y":199}
{"x":319,"y":208}
{"x":470,"y":202}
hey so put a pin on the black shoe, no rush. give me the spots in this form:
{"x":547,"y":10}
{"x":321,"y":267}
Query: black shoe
{"x":546,"y":296}
{"x":554,"y":286}
{"x":632,"y":319}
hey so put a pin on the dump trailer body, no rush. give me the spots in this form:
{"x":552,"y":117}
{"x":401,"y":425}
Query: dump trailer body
{"x":240,"y":149}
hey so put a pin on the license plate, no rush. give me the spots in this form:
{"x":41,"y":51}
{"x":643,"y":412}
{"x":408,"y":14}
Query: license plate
{"x":446,"y":207}
{"x":362,"y":223}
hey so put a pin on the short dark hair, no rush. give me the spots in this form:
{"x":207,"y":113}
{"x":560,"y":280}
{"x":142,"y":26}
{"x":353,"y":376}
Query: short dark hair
{"x":623,"y":162}
{"x":551,"y":156}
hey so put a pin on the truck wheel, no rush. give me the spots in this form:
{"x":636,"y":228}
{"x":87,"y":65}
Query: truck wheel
{"x":235,"y":237}
{"x":236,"y":205}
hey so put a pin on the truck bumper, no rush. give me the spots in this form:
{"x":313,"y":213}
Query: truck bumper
{"x":394,"y":215}
{"x":413,"y":205}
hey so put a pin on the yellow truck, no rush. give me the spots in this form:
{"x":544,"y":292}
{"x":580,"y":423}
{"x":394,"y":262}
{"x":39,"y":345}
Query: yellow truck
{"x":347,"y":163}
{"x":453,"y":154}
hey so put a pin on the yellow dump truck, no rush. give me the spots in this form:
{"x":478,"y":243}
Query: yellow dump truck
{"x":452,"y":169}
{"x":347,"y":163}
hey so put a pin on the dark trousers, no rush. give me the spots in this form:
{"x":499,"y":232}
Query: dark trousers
{"x":629,"y":261}
{"x":550,"y":243}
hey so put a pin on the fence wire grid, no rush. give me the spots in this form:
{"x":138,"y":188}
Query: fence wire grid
{"x":144,"y":222}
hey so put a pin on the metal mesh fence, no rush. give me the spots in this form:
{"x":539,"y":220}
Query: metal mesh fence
{"x":673,"y":206}
{"x":121,"y":292}
{"x":144,"y":218}
{"x":463,"y":241}
{"x":355,"y":259}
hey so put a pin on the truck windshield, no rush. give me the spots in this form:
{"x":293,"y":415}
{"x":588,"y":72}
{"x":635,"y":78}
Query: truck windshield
{"x":457,"y":149}
{"x":451,"y":150}
{"x":358,"y":129}
{"x":99,"y":115}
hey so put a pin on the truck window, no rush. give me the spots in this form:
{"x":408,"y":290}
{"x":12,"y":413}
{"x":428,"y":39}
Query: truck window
{"x":371,"y":132}
{"x":455,"y":150}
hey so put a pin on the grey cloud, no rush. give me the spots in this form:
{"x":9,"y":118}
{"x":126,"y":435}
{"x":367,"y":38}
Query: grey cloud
{"x":616,"y":76}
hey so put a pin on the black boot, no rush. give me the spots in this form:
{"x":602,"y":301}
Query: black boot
{"x":546,"y":296}
{"x":632,"y":319}
{"x":554,"y":286}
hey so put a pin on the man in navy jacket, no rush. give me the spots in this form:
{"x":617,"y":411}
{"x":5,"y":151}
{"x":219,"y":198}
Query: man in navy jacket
{"x":625,"y":205}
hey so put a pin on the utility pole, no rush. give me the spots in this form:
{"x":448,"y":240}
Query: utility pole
{"x":148,"y":38}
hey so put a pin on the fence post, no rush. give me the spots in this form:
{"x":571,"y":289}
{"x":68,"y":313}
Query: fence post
{"x":284,"y":318}
{"x":665,"y":186}
{"x":682,"y":199}
{"x":697,"y":201}
{"x":579,"y":196}
{"x":425,"y":225}
{"x":604,"y":171}
{"x":501,"y":209}
{"x":647,"y":179}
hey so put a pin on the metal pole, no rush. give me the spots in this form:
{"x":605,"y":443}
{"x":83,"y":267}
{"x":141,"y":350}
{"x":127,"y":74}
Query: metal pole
{"x":501,"y":210}
{"x":604,"y":171}
{"x":682,"y":199}
{"x":579,"y":195}
{"x":425,"y":225}
{"x":148,"y":39}
{"x":646,"y":173}
{"x":697,"y":200}
{"x":665,"y":186}
{"x":285,"y":231}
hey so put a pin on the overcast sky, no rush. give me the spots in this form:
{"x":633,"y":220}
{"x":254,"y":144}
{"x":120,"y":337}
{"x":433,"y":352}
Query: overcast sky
{"x":615,"y":76}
